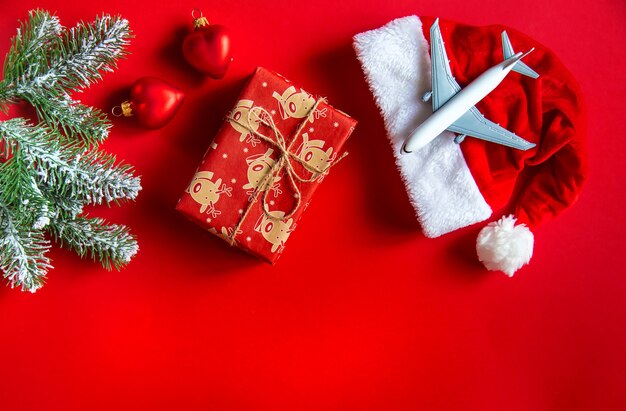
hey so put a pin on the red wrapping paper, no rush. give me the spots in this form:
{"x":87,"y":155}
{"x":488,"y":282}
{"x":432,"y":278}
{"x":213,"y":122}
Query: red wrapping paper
{"x":228,"y":193}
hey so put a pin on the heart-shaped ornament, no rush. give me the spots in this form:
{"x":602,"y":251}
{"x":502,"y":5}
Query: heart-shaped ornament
{"x":153,"y":102}
{"x":208,"y":48}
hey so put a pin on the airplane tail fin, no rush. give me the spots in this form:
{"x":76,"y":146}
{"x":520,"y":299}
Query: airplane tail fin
{"x":520,"y":67}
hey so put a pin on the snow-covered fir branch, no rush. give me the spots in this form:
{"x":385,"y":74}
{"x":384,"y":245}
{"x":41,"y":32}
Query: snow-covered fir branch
{"x":91,"y":176}
{"x":22,"y":253}
{"x":20,"y":191}
{"x":62,"y":207}
{"x":52,"y":59}
{"x":50,"y":171}
{"x":46,"y":62}
{"x":111,"y":244}
{"x":90,"y":49}
{"x":76,"y":120}
{"x":30,"y":47}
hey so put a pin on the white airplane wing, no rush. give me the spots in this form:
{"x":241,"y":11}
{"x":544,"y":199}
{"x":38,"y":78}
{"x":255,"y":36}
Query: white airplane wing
{"x":474,"y":124}
{"x":444,"y":85}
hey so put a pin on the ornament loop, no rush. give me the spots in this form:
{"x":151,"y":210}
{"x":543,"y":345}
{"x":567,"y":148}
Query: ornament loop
{"x":125,"y":109}
{"x":198,"y":21}
{"x":116,"y":113}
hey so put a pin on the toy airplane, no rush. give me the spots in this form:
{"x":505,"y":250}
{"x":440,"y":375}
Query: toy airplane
{"x":454,"y":108}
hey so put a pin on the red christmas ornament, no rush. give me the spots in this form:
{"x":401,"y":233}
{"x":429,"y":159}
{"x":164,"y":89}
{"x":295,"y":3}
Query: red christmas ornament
{"x":208,"y":47}
{"x":152,"y":101}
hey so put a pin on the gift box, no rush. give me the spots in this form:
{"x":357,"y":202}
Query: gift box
{"x":259,"y":173}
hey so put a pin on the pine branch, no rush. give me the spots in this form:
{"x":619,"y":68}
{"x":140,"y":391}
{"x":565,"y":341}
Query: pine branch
{"x":92,"y":176}
{"x":87,"y":50}
{"x":22,"y":253}
{"x":20,"y":192}
{"x":48,"y":172}
{"x":63,"y":207}
{"x":13,"y":181}
{"x":5,"y":97}
{"x":45,"y":62}
{"x":89,"y":124}
{"x":61,"y":60}
{"x":111,"y":244}
{"x":28,"y":54}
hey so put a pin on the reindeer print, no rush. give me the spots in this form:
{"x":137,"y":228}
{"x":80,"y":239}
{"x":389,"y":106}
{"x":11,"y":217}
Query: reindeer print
{"x":207,"y":192}
{"x":311,"y":152}
{"x":293,"y":103}
{"x":275,"y":231}
{"x":258,"y":167}
{"x":243,"y":112}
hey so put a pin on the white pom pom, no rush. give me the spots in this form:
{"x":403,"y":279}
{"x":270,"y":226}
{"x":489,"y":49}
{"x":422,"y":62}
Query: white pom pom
{"x":503,"y":246}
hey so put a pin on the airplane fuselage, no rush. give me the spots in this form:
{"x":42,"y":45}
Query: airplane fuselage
{"x":459,"y":104}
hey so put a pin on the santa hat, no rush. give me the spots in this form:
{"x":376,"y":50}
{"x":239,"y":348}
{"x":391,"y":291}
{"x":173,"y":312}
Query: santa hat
{"x":455,"y":185}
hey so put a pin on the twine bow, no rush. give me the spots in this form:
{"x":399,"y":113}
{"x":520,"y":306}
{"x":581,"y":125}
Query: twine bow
{"x":284,"y":162}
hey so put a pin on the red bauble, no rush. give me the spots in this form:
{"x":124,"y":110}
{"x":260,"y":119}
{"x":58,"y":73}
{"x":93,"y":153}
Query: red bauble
{"x":153,"y":102}
{"x":208,"y":48}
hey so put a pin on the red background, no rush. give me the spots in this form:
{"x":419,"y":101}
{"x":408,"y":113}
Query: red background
{"x":361,"y":312}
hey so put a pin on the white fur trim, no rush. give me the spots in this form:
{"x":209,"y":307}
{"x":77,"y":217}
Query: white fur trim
{"x":503,"y":246}
{"x":396,"y":62}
